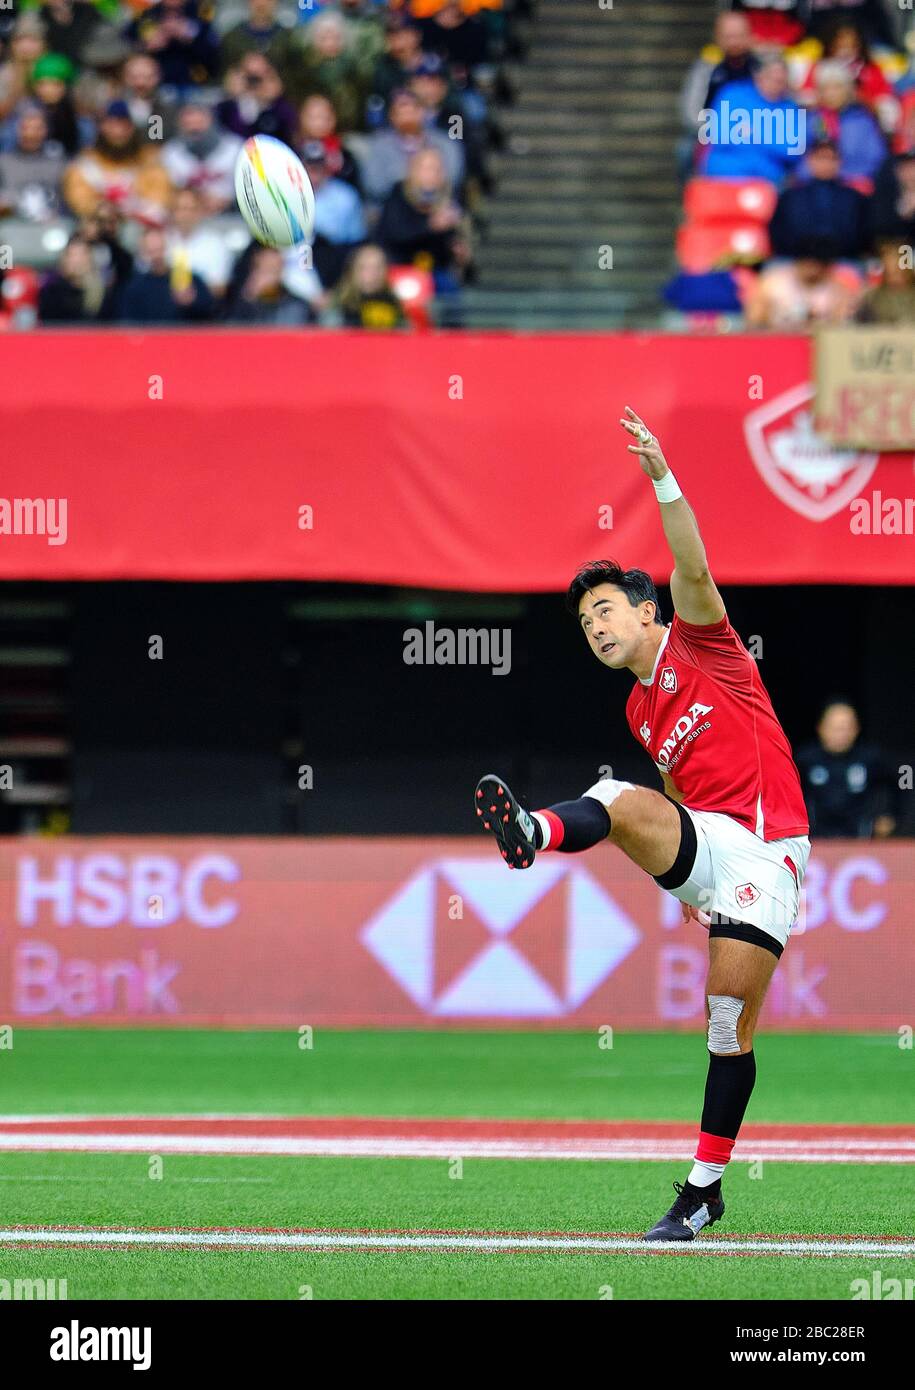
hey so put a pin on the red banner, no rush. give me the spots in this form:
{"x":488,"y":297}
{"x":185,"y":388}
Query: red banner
{"x":453,"y":461}
{"x":417,"y":933}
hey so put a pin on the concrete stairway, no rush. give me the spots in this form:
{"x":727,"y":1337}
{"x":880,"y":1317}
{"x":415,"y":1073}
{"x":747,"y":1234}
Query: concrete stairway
{"x":589,"y":164}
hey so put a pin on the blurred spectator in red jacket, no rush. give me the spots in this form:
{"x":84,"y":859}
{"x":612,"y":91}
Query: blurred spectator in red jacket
{"x":202,"y":157}
{"x":775,"y":23}
{"x":30,"y":173}
{"x":256,"y":104}
{"x":843,"y":43}
{"x":75,"y":292}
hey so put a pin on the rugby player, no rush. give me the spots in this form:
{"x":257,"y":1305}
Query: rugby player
{"x":727,"y":837}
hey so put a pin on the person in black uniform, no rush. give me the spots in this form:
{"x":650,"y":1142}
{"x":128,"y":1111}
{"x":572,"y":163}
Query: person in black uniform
{"x":849,"y":789}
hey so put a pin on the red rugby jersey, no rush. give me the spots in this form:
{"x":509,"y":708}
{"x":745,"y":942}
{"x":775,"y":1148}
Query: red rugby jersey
{"x":707,"y":721}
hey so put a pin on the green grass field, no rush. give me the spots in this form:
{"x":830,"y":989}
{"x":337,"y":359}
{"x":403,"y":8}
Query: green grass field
{"x":811,"y":1079}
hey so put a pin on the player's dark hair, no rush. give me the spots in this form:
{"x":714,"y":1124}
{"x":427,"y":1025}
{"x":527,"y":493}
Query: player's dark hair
{"x":635,"y":584}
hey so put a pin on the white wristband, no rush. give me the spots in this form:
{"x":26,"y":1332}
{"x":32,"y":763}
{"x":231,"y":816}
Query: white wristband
{"x":667,"y":489}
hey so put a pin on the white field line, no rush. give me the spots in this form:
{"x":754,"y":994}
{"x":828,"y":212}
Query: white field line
{"x":794,"y":1151}
{"x":363,"y":1240}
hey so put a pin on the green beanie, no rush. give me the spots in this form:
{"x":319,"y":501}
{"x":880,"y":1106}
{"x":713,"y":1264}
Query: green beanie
{"x":54,"y":65}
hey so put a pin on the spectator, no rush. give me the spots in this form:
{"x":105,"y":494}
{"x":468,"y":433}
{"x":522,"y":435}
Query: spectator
{"x":101,"y":232}
{"x":202,"y":157}
{"x":364,"y":296}
{"x":824,"y":207}
{"x":870,"y":17}
{"x":365,"y":31}
{"x":842,"y":43}
{"x":339,"y":223}
{"x":194,"y":246}
{"x":793,"y":296}
{"x":153,"y":112}
{"x":892,"y":207}
{"x":442,"y":110}
{"x":893,"y":300}
{"x":264,"y":300}
{"x":156,"y":293}
{"x":458,"y":38}
{"x":51,"y":78}
{"x":836,"y":114}
{"x":75,"y":292}
{"x":403,"y":53}
{"x":262,"y":33}
{"x":774,"y":23}
{"x":70,"y":28}
{"x":120,"y":169}
{"x":329,"y":67}
{"x":769,"y":123}
{"x":185,"y":45}
{"x":849,"y":789}
{"x":318,"y":121}
{"x":256,"y":104}
{"x":389,"y":151}
{"x":30,"y":174}
{"x":731,"y":59}
{"x":421,"y":224}
{"x":26,"y":46}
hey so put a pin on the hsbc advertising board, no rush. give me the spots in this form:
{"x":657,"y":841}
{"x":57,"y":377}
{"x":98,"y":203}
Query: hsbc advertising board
{"x":423,"y":933}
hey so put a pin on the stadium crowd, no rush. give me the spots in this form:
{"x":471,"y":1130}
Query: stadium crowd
{"x":798,"y":157}
{"x":120,"y":125}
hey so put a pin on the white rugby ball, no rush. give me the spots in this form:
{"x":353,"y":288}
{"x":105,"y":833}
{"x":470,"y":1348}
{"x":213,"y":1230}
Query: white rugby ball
{"x":274,"y":193}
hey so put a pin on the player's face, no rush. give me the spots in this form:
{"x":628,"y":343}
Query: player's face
{"x":614,"y":629}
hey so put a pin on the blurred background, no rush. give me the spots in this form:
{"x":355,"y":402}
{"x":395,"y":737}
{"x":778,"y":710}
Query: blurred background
{"x":514,"y":171}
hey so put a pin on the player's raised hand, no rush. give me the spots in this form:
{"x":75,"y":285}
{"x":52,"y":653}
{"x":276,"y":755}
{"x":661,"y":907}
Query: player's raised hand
{"x":648,"y":449}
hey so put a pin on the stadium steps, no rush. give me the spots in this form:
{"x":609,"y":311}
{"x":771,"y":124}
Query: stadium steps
{"x":588,"y":163}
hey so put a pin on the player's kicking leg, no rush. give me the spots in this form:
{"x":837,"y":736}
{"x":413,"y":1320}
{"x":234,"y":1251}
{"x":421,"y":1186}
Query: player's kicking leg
{"x":675,"y":847}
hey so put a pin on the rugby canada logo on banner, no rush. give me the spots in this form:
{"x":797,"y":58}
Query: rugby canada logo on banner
{"x":806,"y":472}
{"x":668,"y":680}
{"x":533,"y":945}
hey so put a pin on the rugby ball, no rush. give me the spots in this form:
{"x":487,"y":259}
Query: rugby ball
{"x":273,"y":191}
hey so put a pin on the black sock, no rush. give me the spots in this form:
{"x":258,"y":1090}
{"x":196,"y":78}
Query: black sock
{"x":728,"y":1088}
{"x":574,"y":825}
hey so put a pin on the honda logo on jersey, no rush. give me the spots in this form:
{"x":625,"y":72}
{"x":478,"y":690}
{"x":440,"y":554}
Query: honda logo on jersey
{"x":668,"y":680}
{"x":683,"y":728}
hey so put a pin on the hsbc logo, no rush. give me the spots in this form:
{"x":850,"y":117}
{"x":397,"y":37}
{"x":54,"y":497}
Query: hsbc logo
{"x":684,"y":727}
{"x":532,"y":945}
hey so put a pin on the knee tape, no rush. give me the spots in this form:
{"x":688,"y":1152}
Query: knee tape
{"x":607,"y":791}
{"x":724,"y":1011}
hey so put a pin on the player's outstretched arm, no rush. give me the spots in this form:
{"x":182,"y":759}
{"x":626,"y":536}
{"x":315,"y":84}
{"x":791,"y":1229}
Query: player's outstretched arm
{"x":692,"y":587}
